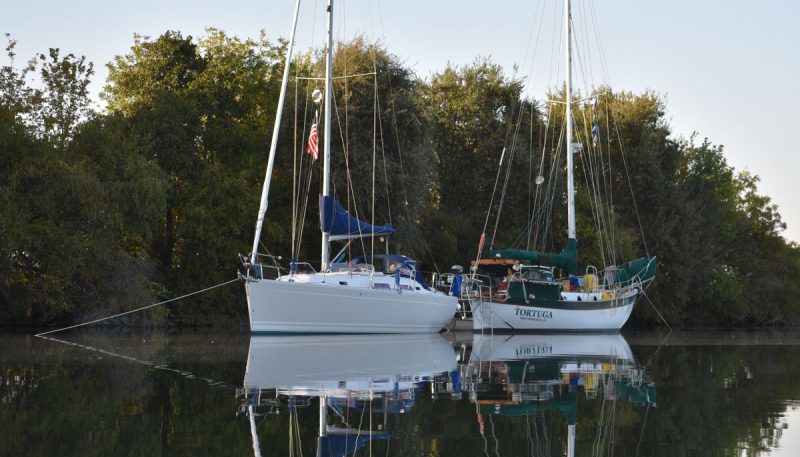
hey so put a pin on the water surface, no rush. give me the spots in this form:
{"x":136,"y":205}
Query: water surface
{"x":103,"y":393}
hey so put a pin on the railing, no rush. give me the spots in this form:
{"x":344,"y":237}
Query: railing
{"x":610,"y":276}
{"x":269,"y":267}
{"x":444,"y":283}
{"x":303,"y":268}
{"x":259,"y":269}
{"x":264,"y":269}
{"x":476,"y":286}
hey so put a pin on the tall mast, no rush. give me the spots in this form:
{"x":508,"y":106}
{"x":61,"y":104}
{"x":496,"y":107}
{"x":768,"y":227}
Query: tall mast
{"x":326,"y":148}
{"x":274,"y":144}
{"x":570,"y":147}
{"x":571,"y":440}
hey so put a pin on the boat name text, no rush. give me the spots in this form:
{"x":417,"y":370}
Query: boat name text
{"x":533,"y":314}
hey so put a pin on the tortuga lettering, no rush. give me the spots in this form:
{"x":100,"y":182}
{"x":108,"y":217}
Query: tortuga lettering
{"x":533,"y":313}
{"x":534,"y":350}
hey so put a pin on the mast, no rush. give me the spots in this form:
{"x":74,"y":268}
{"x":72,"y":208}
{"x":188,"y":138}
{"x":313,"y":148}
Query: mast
{"x":326,"y":148}
{"x":262,"y":210}
{"x":571,"y":440}
{"x":253,"y":432}
{"x":323,"y":416}
{"x":568,"y":119}
{"x":323,"y":425}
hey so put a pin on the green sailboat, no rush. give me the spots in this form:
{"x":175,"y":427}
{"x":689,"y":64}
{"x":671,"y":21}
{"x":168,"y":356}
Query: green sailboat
{"x":517,"y":289}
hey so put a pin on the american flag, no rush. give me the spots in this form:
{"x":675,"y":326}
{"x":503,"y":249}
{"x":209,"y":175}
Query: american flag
{"x":313,"y":141}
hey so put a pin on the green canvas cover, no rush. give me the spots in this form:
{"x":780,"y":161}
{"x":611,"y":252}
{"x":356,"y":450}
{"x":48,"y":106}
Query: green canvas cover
{"x":566,"y":259}
{"x":644,"y":268}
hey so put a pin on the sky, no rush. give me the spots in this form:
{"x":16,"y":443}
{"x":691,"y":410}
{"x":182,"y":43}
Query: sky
{"x":728,"y":70}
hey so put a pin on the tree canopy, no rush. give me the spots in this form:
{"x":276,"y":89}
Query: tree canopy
{"x":154,"y":195}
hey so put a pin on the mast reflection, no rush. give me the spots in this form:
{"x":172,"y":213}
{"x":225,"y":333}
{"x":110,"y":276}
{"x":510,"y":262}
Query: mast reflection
{"x":358,"y":381}
{"x":534,"y":376}
{"x":359,"y":387}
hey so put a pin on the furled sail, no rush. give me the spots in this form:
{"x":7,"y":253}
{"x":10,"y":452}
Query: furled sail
{"x":341,"y":225}
{"x":566,"y":259}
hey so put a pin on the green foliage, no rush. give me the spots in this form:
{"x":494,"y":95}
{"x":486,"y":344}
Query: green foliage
{"x":196,"y":111}
{"x":724,"y":260}
{"x":379,"y":138}
{"x":65,"y":218}
{"x":154,"y":196}
{"x":475,"y":114}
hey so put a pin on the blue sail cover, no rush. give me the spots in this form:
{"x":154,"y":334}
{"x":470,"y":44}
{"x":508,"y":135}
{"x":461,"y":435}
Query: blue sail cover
{"x":339,"y":224}
{"x":337,"y":445}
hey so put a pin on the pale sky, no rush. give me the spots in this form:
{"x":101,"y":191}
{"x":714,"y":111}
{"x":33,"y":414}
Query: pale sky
{"x":728,"y":69}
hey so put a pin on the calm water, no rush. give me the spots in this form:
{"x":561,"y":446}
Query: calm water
{"x":146,"y":394}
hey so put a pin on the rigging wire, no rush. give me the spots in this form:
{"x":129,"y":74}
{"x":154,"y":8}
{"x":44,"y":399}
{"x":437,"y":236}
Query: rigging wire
{"x":297,"y":222}
{"x":641,"y":433}
{"x":512,"y":132}
{"x":530,"y":179}
{"x":297,"y":219}
{"x":496,"y":441}
{"x":591,"y":176}
{"x":383,"y":146}
{"x":375,"y":116}
{"x":378,"y":128}
{"x":616,"y":126}
{"x":393,"y":111}
{"x":610,"y":188}
{"x":597,"y":160}
{"x":515,"y":127}
{"x":294,"y":166}
{"x":630,"y":186}
{"x":349,"y":187}
{"x":379,"y":109}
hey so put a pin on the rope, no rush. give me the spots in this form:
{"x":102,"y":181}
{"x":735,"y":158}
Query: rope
{"x":641,"y":434}
{"x":137,"y":309}
{"x":655,"y":309}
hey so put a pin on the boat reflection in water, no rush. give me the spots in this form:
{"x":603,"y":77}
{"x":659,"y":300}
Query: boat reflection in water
{"x":355,"y":378}
{"x":362,"y":384}
{"x":537,"y":375}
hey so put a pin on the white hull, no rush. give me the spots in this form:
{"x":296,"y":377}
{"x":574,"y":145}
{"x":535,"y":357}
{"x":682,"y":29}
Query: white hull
{"x":601,"y":315}
{"x":306,"y":304}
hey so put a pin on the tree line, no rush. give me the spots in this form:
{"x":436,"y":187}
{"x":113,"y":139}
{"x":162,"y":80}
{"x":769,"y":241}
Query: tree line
{"x":153,"y":196}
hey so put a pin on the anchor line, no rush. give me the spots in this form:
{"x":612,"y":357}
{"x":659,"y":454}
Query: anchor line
{"x":40,"y":335}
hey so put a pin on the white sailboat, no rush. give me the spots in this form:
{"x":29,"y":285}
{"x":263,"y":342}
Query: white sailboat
{"x":517,"y":289}
{"x":376,"y":294}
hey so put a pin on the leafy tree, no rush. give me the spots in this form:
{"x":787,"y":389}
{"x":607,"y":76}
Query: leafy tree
{"x":157,"y":194}
{"x":63,"y":253}
{"x":475,"y":113}
{"x":197,"y":111}
{"x":381,"y":157}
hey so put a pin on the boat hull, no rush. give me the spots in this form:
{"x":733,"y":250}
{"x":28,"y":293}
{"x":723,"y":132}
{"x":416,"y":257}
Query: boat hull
{"x":601,"y":315}
{"x":277,"y":306}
